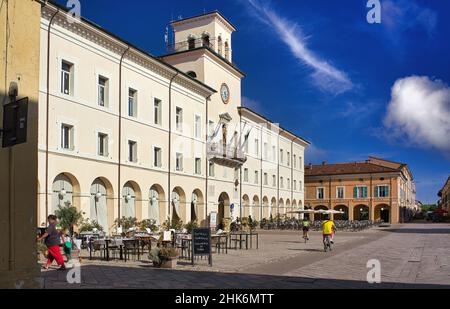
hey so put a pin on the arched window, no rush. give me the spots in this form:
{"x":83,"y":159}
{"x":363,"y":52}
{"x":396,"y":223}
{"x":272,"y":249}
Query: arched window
{"x":205,"y":40}
{"x":192,"y":74}
{"x":191,"y":42}
{"x":220,"y":47}
{"x":227,"y":51}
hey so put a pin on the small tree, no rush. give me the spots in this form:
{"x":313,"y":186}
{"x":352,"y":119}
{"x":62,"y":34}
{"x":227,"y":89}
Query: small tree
{"x":126,"y":223}
{"x":69,"y":217}
{"x":89,"y":225}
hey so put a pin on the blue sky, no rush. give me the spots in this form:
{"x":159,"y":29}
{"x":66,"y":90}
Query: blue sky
{"x":352,"y":88}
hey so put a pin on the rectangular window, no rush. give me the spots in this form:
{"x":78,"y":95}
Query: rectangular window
{"x":288,"y":158}
{"x":382,"y":191}
{"x":256,"y":147}
{"x":66,"y":78}
{"x":103,"y":91}
{"x":295,"y":184}
{"x":300,"y":186}
{"x":281,"y":156}
{"x":295,"y":161}
{"x":281,"y":182}
{"x":179,"y":119}
{"x":340,"y":192}
{"x":288,"y":183}
{"x":132,"y":151}
{"x":132,"y":102}
{"x":360,"y":192}
{"x":300,"y":162}
{"x":320,"y":193}
{"x":179,"y":162}
{"x":212,"y":171}
{"x":256,"y":177}
{"x":266,"y":179}
{"x":157,"y":111}
{"x":157,"y":157}
{"x":274,"y":153}
{"x":266,"y":151}
{"x":198,"y":166}
{"x":102,"y":144}
{"x":198,"y":126}
{"x":274,"y":180}
{"x":246,"y":174}
{"x":67,"y":137}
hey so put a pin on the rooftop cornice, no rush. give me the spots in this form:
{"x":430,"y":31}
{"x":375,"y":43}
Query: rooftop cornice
{"x":118,"y":46}
{"x":215,"y":14}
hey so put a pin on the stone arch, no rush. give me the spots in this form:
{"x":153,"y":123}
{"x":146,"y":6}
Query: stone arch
{"x":319,"y":216}
{"x":383,"y":213}
{"x":178,"y":204}
{"x":343,"y":216}
{"x":246,"y":205}
{"x":131,"y":201}
{"x":157,"y":205}
{"x":273,"y":207}
{"x":361,"y":212}
{"x":65,"y":192}
{"x":197,"y":207}
{"x":266,"y":208}
{"x":256,"y":208}
{"x":223,"y":207}
{"x":102,"y":203}
{"x":281,"y":209}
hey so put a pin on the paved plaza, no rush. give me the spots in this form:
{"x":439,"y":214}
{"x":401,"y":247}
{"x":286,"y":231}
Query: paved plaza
{"x":415,"y":255}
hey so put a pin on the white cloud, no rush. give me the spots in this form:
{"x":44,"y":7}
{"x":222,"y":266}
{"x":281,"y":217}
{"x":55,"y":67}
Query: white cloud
{"x":419,"y":112}
{"x":252,"y":104}
{"x":402,"y":15}
{"x":325,"y":76}
{"x":314,"y":154}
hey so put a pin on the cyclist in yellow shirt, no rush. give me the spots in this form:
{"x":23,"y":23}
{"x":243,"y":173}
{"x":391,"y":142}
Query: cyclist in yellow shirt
{"x":327,"y":228}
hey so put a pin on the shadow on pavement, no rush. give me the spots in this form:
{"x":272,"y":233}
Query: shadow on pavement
{"x":120,"y":277}
{"x":418,"y":230}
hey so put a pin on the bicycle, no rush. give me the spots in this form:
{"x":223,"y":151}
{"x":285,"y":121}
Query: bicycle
{"x":327,"y":243}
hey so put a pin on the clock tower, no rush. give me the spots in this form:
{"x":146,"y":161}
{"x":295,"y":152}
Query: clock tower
{"x":202,"y":48}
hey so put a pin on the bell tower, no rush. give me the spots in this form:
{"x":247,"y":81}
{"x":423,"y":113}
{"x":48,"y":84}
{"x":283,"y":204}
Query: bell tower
{"x":210,"y":30}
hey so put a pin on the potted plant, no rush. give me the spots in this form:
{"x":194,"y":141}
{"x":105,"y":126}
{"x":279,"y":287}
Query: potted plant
{"x":41,"y":250}
{"x":164,"y":257}
{"x":69,"y":217}
{"x":148,"y":224}
{"x":191,"y":226}
{"x":89,"y":225}
{"x":126,"y":223}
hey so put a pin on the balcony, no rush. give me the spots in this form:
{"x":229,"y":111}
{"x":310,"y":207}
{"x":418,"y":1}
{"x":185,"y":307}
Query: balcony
{"x":227,"y":156}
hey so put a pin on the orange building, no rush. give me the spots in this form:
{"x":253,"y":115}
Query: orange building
{"x":376,"y":189}
{"x":444,"y":194}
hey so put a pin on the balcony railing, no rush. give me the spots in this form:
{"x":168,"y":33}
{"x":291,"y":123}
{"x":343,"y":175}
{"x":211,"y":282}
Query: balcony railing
{"x":226,"y":155}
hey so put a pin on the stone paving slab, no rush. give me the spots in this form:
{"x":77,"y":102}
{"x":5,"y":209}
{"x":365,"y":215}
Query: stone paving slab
{"x":411,"y":256}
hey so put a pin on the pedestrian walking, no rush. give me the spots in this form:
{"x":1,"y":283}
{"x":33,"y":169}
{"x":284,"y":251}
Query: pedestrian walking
{"x":52,"y":240}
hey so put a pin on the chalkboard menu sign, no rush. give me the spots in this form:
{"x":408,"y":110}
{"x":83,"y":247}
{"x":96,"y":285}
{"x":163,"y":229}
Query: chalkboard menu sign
{"x":201,"y":243}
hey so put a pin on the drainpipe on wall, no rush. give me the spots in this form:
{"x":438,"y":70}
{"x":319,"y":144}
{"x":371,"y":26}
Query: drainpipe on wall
{"x":240,"y":173}
{"x":206,"y":159}
{"x":47,"y":112}
{"x":261,"y":175}
{"x":278,"y":173}
{"x":119,"y":166}
{"x":170,"y":145}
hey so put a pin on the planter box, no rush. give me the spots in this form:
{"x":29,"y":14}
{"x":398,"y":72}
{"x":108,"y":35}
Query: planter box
{"x":169,"y":264}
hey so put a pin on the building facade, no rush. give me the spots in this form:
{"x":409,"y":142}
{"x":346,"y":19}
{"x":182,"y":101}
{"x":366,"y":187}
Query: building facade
{"x":373,"y":190}
{"x":444,"y":195}
{"x":19,"y":66}
{"x":125,"y":133}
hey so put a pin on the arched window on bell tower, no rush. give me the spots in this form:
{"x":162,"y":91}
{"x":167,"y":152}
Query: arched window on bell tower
{"x":220,"y":45}
{"x":206,"y":40}
{"x":191,"y":42}
{"x":227,"y":51}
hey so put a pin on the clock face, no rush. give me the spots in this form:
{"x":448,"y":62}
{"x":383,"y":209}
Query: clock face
{"x":225,"y":93}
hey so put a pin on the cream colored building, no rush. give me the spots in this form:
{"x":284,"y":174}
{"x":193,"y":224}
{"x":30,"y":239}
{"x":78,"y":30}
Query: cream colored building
{"x":124,"y":133}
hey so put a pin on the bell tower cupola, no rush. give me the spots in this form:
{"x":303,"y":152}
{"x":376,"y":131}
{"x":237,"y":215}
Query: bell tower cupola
{"x":210,"y":30}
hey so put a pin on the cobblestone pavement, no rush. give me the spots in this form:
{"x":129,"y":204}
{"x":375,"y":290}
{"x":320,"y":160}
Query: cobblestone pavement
{"x":411,"y":256}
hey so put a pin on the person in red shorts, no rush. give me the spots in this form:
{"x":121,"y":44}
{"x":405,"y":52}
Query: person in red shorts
{"x":52,"y":240}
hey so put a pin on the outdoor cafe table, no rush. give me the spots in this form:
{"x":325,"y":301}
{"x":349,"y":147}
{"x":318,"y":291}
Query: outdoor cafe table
{"x":219,"y":243}
{"x":107,"y":241}
{"x":248,"y":236}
